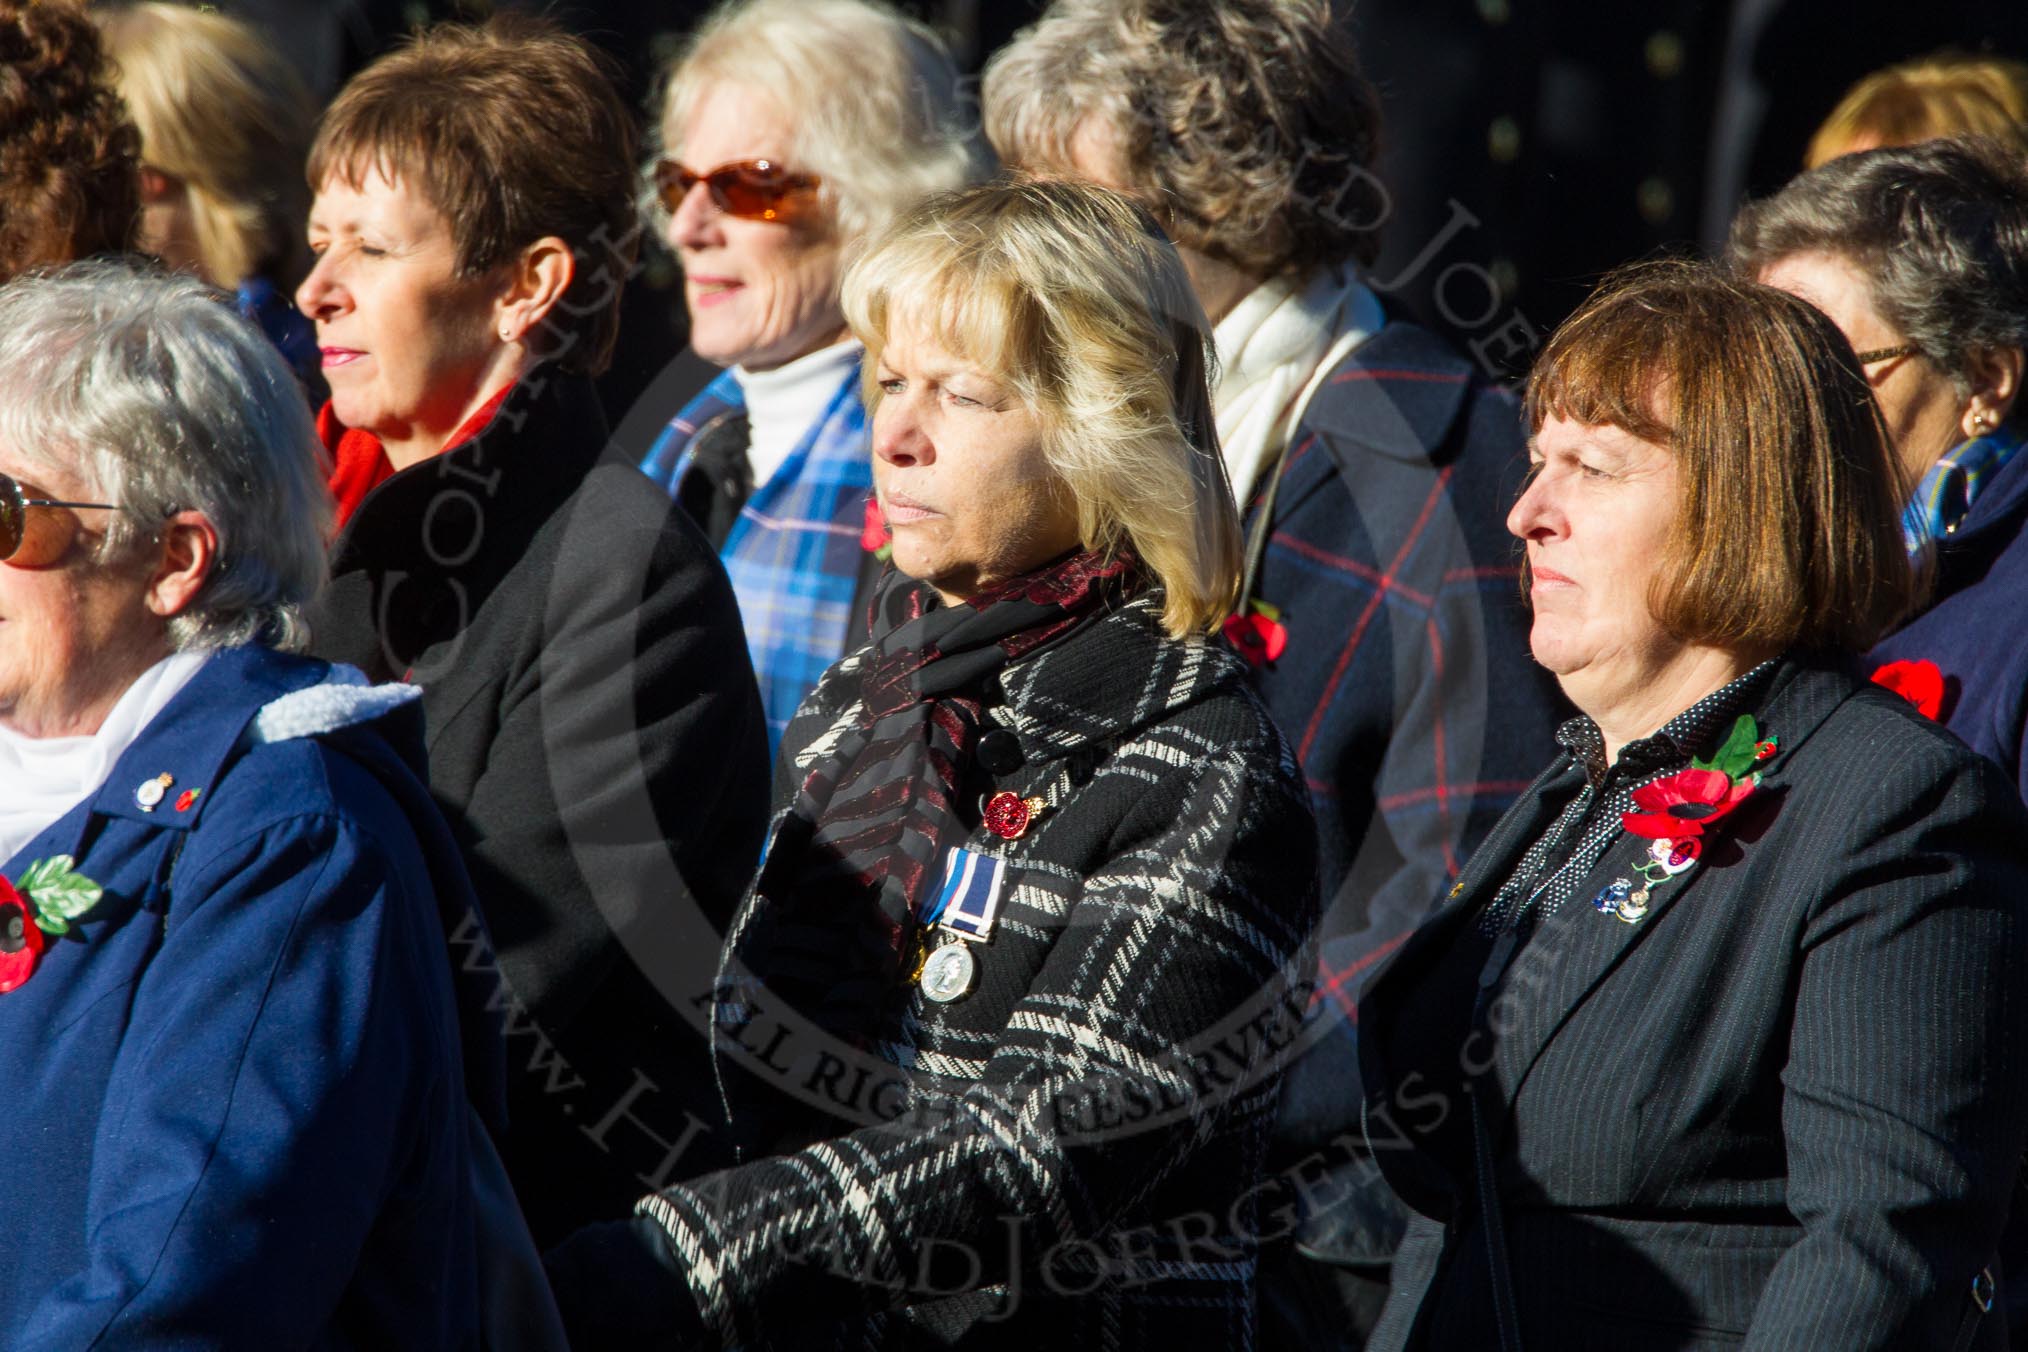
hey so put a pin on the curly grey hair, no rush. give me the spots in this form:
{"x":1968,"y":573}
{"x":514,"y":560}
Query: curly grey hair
{"x":1940,"y":230}
{"x":162,"y":399}
{"x":872,"y":95}
{"x":1245,"y":125}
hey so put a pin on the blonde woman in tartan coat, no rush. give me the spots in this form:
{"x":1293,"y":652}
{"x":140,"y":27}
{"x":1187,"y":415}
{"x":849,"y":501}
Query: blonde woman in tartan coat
{"x":1000,"y":1024}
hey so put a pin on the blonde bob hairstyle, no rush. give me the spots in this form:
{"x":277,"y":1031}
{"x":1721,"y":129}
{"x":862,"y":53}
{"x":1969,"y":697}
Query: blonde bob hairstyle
{"x":224,"y":113}
{"x":871,"y":97}
{"x":1071,"y":296}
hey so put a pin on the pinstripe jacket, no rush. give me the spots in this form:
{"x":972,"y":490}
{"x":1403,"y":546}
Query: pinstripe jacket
{"x":1784,"y":1110}
{"x":1065,"y":1152}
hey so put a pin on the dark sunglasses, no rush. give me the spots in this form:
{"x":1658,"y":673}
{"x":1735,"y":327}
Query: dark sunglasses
{"x":14,"y":513}
{"x":753,"y":190}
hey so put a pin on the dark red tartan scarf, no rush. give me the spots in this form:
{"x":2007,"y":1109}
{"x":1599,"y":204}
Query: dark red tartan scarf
{"x":850,"y":866}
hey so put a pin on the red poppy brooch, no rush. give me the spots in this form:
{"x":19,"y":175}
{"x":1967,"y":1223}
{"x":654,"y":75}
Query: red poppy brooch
{"x":1675,"y":812}
{"x":874,"y":536}
{"x":49,"y":895}
{"x":1259,"y":633}
{"x":1921,"y":683}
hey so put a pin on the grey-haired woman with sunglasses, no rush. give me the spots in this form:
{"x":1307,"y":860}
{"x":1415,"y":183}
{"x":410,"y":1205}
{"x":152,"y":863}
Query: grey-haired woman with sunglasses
{"x":790,"y":130}
{"x":236,"y":1072}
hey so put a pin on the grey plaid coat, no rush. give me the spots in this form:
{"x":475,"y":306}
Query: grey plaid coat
{"x":1068,"y":1150}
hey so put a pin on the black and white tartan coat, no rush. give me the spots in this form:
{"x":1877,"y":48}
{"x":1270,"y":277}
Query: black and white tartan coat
{"x":1066,"y":1152}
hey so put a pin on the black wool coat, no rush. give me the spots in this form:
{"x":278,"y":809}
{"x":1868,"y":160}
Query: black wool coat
{"x":1785,"y":1109}
{"x":596,"y":742}
{"x":1067,"y":1155}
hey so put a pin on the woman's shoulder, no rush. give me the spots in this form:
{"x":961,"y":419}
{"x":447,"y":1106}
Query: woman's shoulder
{"x":1874,"y":756}
{"x":1127,"y":670}
{"x":334,"y":755}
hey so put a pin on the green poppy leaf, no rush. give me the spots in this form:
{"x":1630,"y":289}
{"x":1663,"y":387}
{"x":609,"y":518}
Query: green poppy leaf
{"x":1735,"y":755}
{"x":41,"y":871}
{"x":65,"y":896}
{"x":52,"y":924}
{"x":1272,"y":613}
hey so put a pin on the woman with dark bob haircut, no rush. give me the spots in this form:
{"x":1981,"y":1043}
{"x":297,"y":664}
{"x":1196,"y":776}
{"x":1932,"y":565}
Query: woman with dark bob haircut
{"x":1714,"y":1039}
{"x":1920,"y":254}
{"x":601,"y":760}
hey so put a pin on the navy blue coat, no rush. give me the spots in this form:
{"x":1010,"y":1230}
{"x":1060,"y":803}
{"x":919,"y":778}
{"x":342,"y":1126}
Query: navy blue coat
{"x":235,"y":1103}
{"x":1981,"y":596}
{"x":1407,"y":686}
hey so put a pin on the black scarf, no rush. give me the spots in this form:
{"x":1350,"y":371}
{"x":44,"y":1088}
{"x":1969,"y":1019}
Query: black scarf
{"x":849,"y":868}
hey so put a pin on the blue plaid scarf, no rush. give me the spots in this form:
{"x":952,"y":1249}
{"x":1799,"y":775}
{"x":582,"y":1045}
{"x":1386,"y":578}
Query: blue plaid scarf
{"x":1950,"y":486}
{"x":794,"y":554}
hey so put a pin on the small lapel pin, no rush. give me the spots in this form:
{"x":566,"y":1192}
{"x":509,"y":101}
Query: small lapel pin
{"x":152,"y":791}
{"x":1008,"y":815}
{"x":188,"y":799}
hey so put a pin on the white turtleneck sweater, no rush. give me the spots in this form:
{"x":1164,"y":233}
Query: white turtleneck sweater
{"x":782,"y":405}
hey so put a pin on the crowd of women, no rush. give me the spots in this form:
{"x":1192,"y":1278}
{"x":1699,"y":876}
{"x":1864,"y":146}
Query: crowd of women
{"x":1162,"y":929}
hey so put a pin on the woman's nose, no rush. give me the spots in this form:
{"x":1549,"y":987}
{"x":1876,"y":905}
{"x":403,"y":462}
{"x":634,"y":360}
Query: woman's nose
{"x":1533,"y":515}
{"x":319,"y":294}
{"x":898,"y":436}
{"x":696,"y":222}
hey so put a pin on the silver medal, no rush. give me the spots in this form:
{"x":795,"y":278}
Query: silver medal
{"x":948,"y":973}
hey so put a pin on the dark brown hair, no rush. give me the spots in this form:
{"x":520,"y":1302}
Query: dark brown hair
{"x":514,"y":131}
{"x":69,"y":158}
{"x":1788,"y":531}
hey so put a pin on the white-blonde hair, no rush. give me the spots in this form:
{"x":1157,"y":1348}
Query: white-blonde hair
{"x":871,"y":96}
{"x":220,"y":110}
{"x":1071,"y":296}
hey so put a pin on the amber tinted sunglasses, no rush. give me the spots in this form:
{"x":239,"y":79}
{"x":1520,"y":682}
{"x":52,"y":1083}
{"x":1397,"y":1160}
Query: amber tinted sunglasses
{"x":753,"y":190}
{"x":14,"y":507}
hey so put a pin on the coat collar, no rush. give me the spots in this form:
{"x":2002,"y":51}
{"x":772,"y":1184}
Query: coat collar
{"x":527,"y":458}
{"x":1398,"y":394}
{"x":190,"y":742}
{"x":1119,"y":673}
{"x":1572,"y":952}
{"x":1995,"y":518}
{"x":1398,"y":397}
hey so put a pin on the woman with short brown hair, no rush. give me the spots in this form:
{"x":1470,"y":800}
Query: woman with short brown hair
{"x":1713,"y":1041}
{"x":602,"y":761}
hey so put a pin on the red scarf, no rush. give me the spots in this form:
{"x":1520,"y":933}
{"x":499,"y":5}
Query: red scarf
{"x":359,"y":463}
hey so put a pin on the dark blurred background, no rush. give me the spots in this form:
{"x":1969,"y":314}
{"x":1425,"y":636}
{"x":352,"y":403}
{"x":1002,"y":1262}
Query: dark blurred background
{"x":1530,"y":144}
